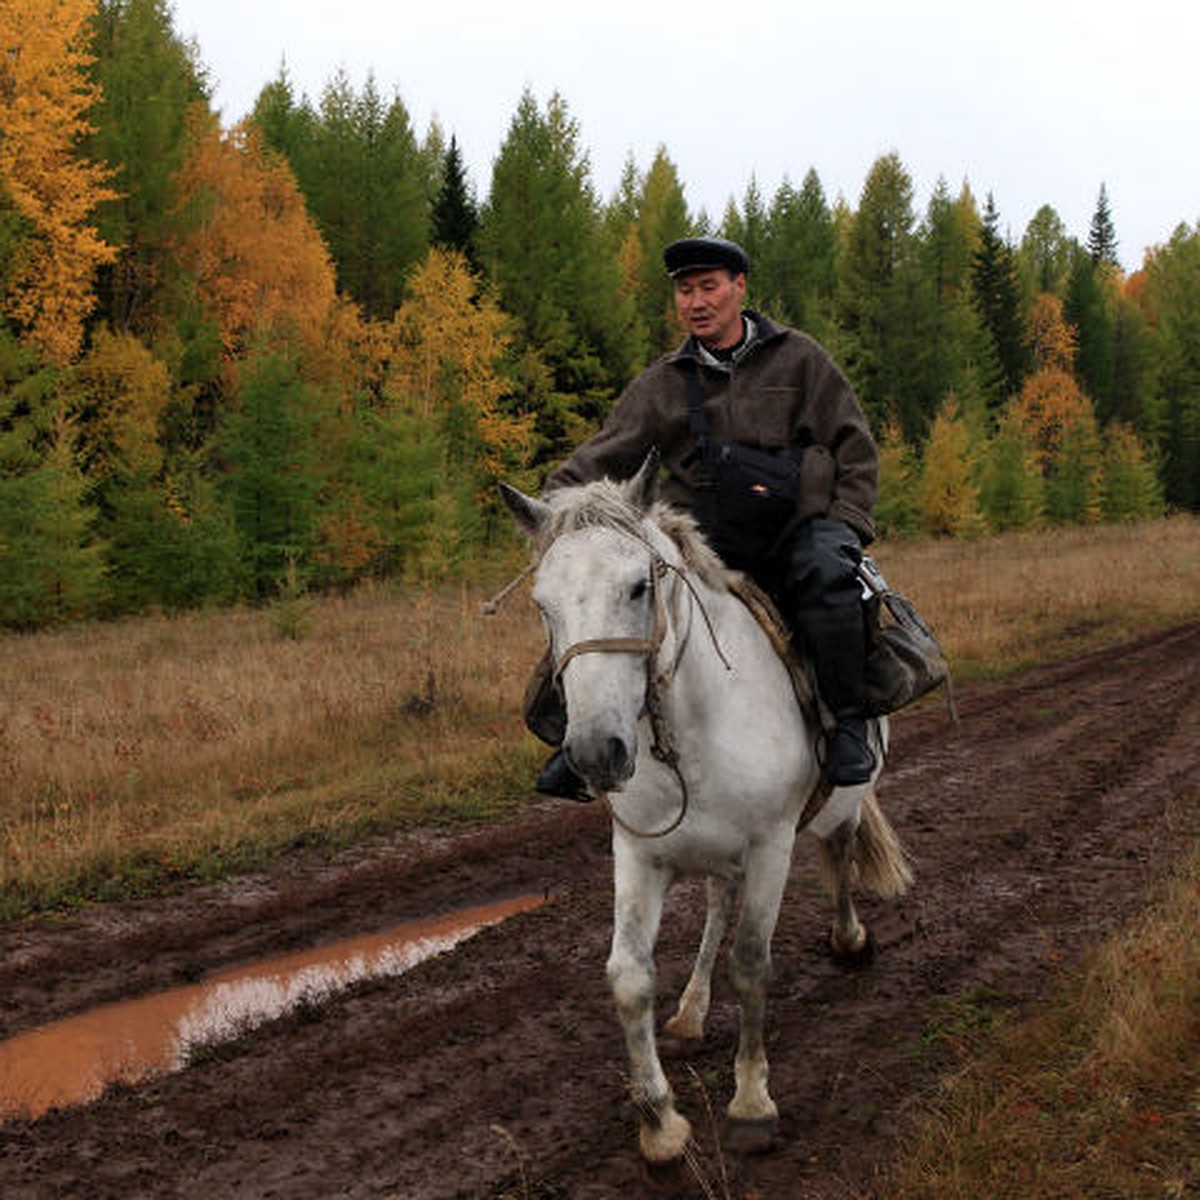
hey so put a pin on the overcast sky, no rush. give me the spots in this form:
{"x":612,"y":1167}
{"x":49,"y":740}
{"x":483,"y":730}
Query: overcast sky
{"x":1036,"y":101}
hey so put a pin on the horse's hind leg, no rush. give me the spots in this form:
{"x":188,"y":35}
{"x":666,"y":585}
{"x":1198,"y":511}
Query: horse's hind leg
{"x":848,"y":936}
{"x":638,"y":904}
{"x":688,"y":1021}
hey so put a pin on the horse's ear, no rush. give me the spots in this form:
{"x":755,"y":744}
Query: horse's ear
{"x":643,"y":487}
{"x":531,"y":514}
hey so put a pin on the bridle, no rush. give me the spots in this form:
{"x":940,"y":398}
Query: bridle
{"x":662,"y":747}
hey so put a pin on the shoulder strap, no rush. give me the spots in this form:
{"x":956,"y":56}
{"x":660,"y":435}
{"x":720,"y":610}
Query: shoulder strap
{"x":697,"y":421}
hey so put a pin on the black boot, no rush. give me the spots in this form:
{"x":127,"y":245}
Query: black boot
{"x":837,"y":640}
{"x":849,"y":758}
{"x":557,"y":779}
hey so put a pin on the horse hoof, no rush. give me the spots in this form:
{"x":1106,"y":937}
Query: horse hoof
{"x":851,"y":957}
{"x":751,"y":1137}
{"x":683,"y":1029}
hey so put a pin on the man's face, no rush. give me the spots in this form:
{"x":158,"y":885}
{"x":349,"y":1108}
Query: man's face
{"x":709,"y":304}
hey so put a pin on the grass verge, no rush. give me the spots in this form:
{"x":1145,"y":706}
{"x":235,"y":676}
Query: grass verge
{"x":1098,"y":1095}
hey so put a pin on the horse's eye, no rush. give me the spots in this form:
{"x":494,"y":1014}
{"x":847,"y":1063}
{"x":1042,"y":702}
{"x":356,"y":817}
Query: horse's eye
{"x":639,"y":589}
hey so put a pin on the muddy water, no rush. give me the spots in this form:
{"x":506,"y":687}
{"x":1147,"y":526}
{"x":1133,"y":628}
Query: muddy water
{"x":72,"y":1061}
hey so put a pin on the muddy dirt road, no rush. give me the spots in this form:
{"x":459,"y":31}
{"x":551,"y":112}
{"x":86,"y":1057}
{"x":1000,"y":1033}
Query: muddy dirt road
{"x":496,"y":1070}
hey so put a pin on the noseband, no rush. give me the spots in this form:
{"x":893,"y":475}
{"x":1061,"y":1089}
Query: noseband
{"x":626,"y":645}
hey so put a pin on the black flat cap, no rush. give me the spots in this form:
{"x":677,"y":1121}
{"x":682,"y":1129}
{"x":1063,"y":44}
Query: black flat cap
{"x":705,"y":254}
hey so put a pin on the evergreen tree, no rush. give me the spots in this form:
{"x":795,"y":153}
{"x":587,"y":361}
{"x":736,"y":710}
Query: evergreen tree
{"x":1011,"y":487}
{"x":997,"y":299}
{"x":272,"y":484}
{"x":658,"y":214}
{"x":455,"y":216}
{"x":1134,"y":366}
{"x":1045,"y":254}
{"x":797,"y":272}
{"x":1130,"y":490}
{"x":876,"y":279}
{"x":1172,"y":298}
{"x":544,"y":246}
{"x":51,"y":562}
{"x":749,"y":227}
{"x":168,"y":551}
{"x":1087,"y":308}
{"x":287,"y":125}
{"x":1074,"y":488}
{"x":363,"y":176}
{"x":149,"y":81}
{"x":1102,"y":236}
{"x":951,"y":348}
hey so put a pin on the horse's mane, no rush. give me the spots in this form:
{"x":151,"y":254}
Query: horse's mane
{"x":608,"y":504}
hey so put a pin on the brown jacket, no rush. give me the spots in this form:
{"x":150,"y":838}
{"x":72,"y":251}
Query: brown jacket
{"x":783,"y":389}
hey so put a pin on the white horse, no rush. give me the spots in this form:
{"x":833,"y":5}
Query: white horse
{"x":682,"y":713}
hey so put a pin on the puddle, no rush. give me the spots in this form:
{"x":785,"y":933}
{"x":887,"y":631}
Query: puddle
{"x":72,"y":1061}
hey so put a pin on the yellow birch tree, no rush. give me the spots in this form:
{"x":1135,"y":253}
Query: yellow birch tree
{"x":45,"y":95}
{"x":260,"y":266}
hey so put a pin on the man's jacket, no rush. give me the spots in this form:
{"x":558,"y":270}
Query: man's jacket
{"x":782,"y":390}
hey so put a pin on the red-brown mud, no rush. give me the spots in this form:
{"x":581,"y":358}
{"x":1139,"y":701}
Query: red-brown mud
{"x":497,"y":1070}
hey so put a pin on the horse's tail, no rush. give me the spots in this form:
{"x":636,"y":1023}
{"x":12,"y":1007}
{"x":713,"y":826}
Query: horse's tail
{"x":882,"y":864}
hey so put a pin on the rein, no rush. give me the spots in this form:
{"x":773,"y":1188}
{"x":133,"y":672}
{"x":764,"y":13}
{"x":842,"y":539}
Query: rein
{"x":662,"y":747}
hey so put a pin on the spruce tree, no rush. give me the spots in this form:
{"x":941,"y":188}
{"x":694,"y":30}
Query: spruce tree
{"x":1102,"y":236}
{"x":997,"y":298}
{"x":455,"y":216}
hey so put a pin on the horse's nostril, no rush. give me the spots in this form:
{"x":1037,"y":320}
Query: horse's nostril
{"x":618,"y":756}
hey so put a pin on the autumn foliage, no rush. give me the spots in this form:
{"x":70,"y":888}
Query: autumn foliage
{"x":44,"y":101}
{"x":305,"y":354}
{"x":260,"y":267}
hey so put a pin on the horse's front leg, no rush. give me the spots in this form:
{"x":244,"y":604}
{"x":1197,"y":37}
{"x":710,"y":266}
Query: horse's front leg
{"x":688,"y":1021}
{"x":752,"y":1112}
{"x":638,"y":902}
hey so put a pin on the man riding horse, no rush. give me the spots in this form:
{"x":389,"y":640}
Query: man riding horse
{"x":795,"y":518}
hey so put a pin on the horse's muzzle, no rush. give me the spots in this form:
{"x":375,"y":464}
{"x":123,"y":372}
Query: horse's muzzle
{"x":605,"y":763}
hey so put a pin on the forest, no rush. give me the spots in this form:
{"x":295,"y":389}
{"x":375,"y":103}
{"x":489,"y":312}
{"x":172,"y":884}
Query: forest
{"x":298,"y":353}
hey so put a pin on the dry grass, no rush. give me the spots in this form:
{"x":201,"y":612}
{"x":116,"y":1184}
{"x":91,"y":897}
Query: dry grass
{"x":1098,"y":1096}
{"x":1022,"y":598}
{"x":136,"y":753}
